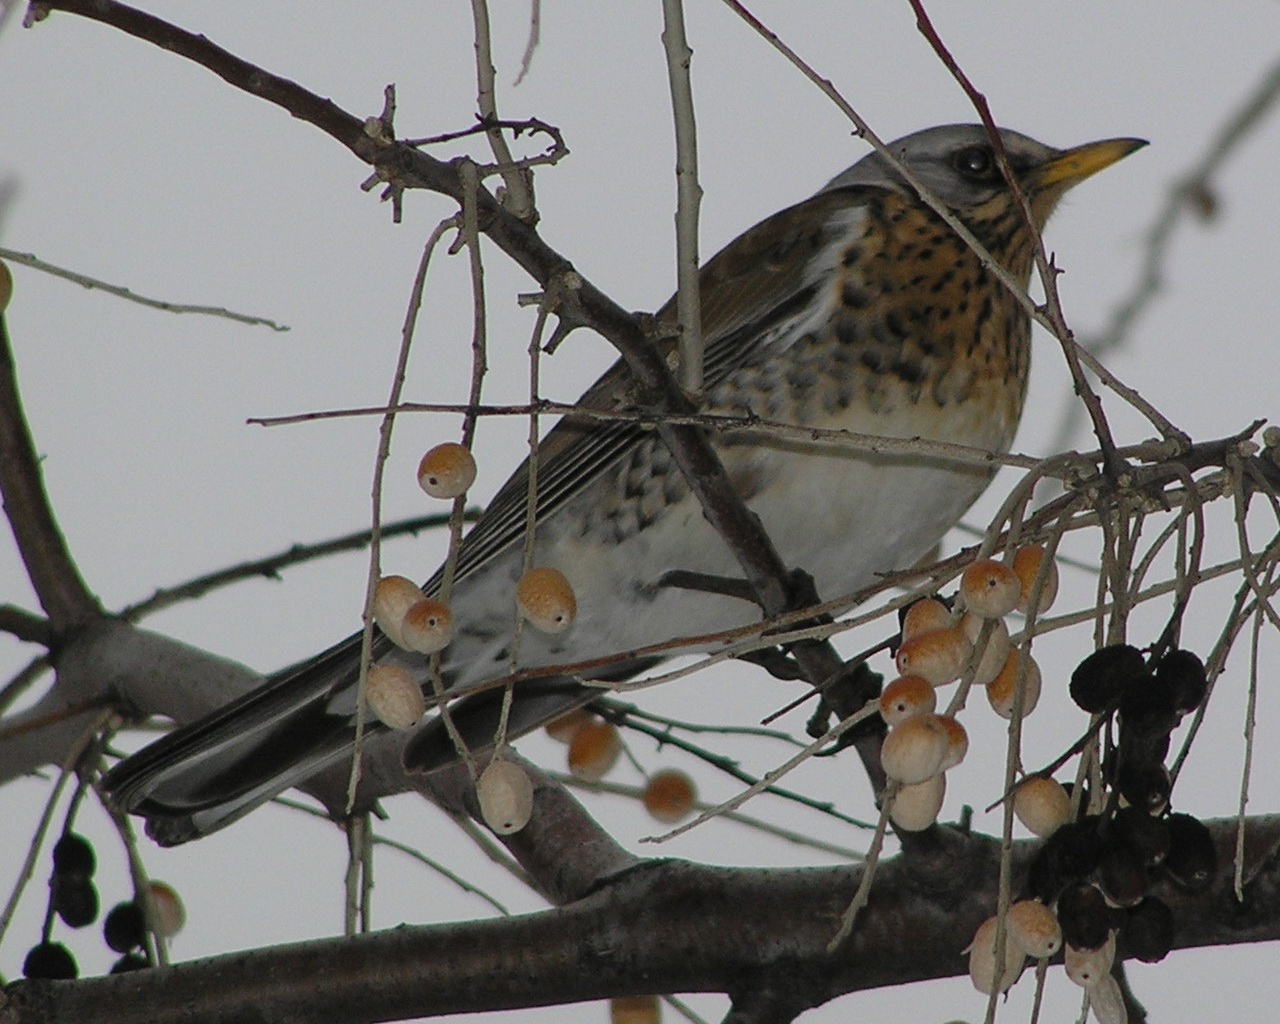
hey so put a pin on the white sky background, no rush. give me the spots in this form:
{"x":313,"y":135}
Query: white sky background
{"x":140,"y":168}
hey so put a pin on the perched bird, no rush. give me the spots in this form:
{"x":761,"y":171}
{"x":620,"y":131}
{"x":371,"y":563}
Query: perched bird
{"x":857,"y":308}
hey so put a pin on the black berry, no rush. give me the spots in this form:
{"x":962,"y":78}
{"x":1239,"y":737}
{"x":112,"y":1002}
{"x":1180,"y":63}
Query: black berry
{"x":1147,"y":931}
{"x":75,"y":900}
{"x":125,"y":927}
{"x":73,"y":856}
{"x":50,"y":960}
{"x":1193,"y":858}
{"x":1098,"y":681}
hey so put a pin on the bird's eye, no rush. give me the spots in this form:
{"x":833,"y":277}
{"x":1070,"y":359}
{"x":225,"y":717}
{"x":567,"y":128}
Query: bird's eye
{"x":977,"y":163}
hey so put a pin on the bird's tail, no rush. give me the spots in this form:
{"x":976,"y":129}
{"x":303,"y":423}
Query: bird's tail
{"x":206,"y":775}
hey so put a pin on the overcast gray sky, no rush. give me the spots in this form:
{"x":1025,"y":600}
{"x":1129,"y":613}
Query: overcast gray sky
{"x":137,"y":167}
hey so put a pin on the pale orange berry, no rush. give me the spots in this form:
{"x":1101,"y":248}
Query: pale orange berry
{"x":635,"y":1010}
{"x":938,"y":656}
{"x":168,"y":915}
{"x":393,"y":596}
{"x":924,"y":616}
{"x":1034,"y":928}
{"x":1000,"y":691}
{"x":1087,"y":967}
{"x":505,"y":794}
{"x":669,"y":795}
{"x":6,"y":286}
{"x":1042,"y":805}
{"x":917,"y":806}
{"x":983,"y":972}
{"x":914,"y":749}
{"x":545,"y":597}
{"x":957,"y":742}
{"x":1026,"y":564}
{"x":990,"y":588}
{"x":593,"y":750}
{"x":394,"y":696}
{"x":562,"y":729}
{"x":447,"y":470}
{"x":427,"y":626}
{"x":995,"y":653}
{"x":907,"y":696}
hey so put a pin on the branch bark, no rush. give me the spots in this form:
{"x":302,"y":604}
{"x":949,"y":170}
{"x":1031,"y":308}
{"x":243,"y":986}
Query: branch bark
{"x":755,"y":934}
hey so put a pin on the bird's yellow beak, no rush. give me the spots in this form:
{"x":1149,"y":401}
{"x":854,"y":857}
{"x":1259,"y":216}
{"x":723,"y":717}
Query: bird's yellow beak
{"x":1072,"y":166}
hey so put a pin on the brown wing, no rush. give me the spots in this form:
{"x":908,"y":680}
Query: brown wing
{"x":753,"y":285}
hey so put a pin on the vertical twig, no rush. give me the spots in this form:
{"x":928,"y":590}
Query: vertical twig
{"x":519,"y":197}
{"x":688,"y":195}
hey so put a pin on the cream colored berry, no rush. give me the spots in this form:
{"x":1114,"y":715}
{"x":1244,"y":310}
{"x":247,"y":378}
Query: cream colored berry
{"x":938,"y":656}
{"x":1026,"y":565}
{"x":990,"y":588}
{"x":996,"y":651}
{"x":669,"y":796}
{"x":167,"y":914}
{"x":957,"y":741}
{"x":394,"y":696}
{"x":1042,"y":805}
{"x":916,"y":807}
{"x":1034,"y":928}
{"x":393,"y":596}
{"x":545,"y":597}
{"x":914,"y":749}
{"x":505,"y":794}
{"x":907,"y":696}
{"x":924,"y":616}
{"x":447,"y":470}
{"x":1087,"y":967}
{"x":1001,"y":690}
{"x":427,"y":626}
{"x":983,"y":972}
{"x":593,"y":750}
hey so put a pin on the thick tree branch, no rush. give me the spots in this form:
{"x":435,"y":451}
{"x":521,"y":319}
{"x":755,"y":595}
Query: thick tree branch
{"x":759,"y":935}
{"x":53,"y":573}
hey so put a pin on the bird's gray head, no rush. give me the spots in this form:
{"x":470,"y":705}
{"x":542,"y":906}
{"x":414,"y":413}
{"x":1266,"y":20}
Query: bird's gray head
{"x":957,"y":163}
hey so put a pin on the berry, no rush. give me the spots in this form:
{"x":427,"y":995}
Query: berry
{"x":125,"y":927}
{"x":50,"y":960}
{"x":1098,"y":681}
{"x":1147,"y":931}
{"x":1192,"y":860}
{"x":73,"y":856}
{"x":394,"y":696}
{"x":505,"y":793}
{"x":545,"y":597}
{"x":447,"y":470}
{"x":593,"y":750}
{"x":990,"y":589}
{"x":75,"y":900}
{"x":669,"y":796}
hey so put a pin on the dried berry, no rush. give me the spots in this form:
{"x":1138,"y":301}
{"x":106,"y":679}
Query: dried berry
{"x":1098,"y":681}
{"x":1121,"y":876}
{"x":1147,"y":931}
{"x":1145,"y":787}
{"x":1071,"y":853}
{"x":1182,"y":674}
{"x":73,"y":856}
{"x":1193,"y":858}
{"x":50,"y":960}
{"x":75,"y":900}
{"x":1147,"y":836}
{"x":1084,"y":916}
{"x":125,"y":927}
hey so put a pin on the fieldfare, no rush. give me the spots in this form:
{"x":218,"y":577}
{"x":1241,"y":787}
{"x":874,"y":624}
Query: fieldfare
{"x":857,"y":308}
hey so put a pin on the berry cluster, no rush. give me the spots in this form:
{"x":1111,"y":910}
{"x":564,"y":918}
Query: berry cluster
{"x":73,"y":898}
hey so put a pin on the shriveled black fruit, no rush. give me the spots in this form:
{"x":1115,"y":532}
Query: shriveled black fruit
{"x":1147,"y":931}
{"x":1182,"y":674}
{"x":75,"y":900}
{"x":129,"y":962}
{"x":1146,"y":835}
{"x":73,"y":856}
{"x":1084,"y":916}
{"x":1193,"y":859}
{"x":1067,"y":856}
{"x":1146,"y":709}
{"x":1122,"y":876}
{"x":1146,"y":787}
{"x":50,"y":960}
{"x":1098,"y":681}
{"x":125,"y":927}
{"x":1142,"y":751}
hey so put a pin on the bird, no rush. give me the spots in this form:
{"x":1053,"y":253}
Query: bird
{"x":857,"y":308}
